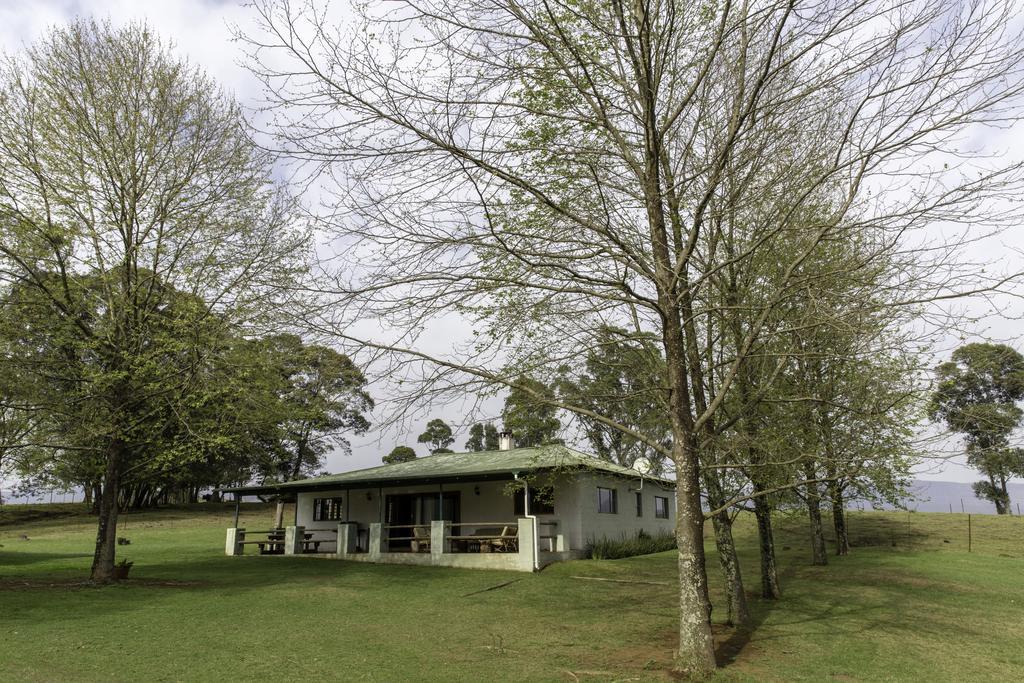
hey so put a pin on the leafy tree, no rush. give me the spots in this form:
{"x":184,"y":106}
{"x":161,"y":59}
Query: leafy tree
{"x":399,"y":454}
{"x":439,"y":435}
{"x":482,"y":437}
{"x":324,"y":398}
{"x":16,"y":423}
{"x":977,"y":395}
{"x":143,"y":228}
{"x":530,"y":415}
{"x":623,"y":381}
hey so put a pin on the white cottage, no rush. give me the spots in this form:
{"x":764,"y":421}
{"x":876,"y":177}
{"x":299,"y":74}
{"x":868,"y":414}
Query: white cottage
{"x":507,"y":509}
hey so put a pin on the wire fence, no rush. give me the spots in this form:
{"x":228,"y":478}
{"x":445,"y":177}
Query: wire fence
{"x":906,"y":529}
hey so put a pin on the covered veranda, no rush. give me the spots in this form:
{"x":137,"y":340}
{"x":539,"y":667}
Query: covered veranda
{"x":479,"y":522}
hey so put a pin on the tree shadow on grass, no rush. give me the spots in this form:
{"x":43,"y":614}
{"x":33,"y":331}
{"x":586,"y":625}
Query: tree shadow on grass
{"x":730,"y":642}
{"x":16,"y":559}
{"x":271,"y":579}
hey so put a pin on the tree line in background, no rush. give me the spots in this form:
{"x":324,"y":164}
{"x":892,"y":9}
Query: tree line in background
{"x":530,"y":423}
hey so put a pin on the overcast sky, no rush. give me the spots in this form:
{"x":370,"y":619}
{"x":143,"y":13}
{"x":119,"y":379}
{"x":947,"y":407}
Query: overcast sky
{"x":201,"y":30}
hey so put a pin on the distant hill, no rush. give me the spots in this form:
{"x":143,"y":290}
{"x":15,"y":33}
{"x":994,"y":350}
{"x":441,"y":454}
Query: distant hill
{"x":941,"y":496}
{"x":929,"y":496}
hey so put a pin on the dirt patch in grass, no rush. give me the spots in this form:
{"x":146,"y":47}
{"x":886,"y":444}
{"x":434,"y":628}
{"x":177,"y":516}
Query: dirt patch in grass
{"x":654,"y":657}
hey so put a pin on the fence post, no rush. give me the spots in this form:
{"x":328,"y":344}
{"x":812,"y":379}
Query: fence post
{"x":377,"y":540}
{"x":348,"y":533}
{"x":969,"y":540}
{"x":233,"y":545}
{"x":440,"y":530}
{"x":293,"y":537}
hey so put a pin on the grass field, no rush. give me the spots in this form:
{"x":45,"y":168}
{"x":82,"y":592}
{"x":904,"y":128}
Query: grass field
{"x":910,"y":603}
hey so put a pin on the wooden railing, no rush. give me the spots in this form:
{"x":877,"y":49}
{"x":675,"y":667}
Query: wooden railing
{"x":389,"y":537}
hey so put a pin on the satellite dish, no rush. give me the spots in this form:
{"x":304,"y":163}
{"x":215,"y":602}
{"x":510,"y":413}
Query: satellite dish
{"x":642,"y":465}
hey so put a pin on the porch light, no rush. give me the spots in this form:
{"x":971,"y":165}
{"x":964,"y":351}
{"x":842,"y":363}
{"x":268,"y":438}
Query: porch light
{"x":476,"y":489}
{"x":369,"y":495}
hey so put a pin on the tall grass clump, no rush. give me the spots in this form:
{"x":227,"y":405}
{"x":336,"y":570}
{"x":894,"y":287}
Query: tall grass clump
{"x":630,"y":546}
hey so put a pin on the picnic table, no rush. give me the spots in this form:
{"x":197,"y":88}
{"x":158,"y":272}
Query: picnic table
{"x":273,"y":544}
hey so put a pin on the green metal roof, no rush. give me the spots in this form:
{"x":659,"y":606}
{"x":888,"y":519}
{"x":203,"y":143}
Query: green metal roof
{"x":455,"y":466}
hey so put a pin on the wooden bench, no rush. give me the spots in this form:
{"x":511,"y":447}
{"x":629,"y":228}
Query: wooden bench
{"x":266,"y":546}
{"x":274,"y":545}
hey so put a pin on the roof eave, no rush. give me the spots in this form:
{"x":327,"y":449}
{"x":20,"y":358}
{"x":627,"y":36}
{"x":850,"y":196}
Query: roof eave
{"x":391,"y":482}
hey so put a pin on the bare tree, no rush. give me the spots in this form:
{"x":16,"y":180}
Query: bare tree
{"x":546,"y":168}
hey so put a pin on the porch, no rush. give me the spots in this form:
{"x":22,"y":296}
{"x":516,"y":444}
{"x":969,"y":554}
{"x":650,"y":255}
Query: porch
{"x":522,"y":544}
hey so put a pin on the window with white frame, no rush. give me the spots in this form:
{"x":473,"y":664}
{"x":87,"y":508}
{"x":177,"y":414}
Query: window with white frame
{"x":327,"y":509}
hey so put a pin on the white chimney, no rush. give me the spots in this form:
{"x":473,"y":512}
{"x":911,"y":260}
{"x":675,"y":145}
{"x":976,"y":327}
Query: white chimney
{"x":505,"y":441}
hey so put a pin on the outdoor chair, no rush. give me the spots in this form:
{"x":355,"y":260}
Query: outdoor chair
{"x":421,"y":539}
{"x":508,"y":542}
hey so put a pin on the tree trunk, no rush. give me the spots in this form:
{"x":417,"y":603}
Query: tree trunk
{"x":279,"y":514}
{"x":97,"y":494}
{"x":770,"y":589}
{"x":106,"y":533}
{"x":839,"y":519}
{"x":819,"y":553}
{"x":696,"y":654}
{"x":737,"y":612}
{"x":1000,"y":508}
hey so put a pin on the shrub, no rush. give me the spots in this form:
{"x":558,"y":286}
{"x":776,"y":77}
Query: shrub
{"x":630,"y":546}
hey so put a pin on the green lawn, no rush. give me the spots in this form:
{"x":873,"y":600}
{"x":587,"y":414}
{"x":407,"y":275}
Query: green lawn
{"x":922,"y":609}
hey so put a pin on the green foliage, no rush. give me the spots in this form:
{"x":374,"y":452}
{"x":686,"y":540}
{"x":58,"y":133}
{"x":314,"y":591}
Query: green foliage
{"x":623,"y":380}
{"x":439,"y":435}
{"x":630,"y":546}
{"x":977,"y":395}
{"x":323,"y":397}
{"x":482,"y":437}
{"x":399,"y":454}
{"x":529,"y":415}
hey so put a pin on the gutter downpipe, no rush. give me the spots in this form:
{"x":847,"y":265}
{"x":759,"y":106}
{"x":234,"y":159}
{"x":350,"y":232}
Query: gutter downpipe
{"x":526,"y":511}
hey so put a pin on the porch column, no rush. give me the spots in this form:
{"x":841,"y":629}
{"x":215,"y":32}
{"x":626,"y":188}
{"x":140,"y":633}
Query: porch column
{"x":556,"y":537}
{"x":376,"y":541}
{"x":527,"y":543}
{"x":347,"y":536}
{"x":233,"y":545}
{"x":440,"y":530}
{"x":293,"y":536}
